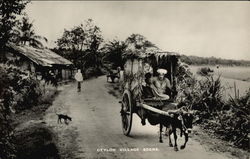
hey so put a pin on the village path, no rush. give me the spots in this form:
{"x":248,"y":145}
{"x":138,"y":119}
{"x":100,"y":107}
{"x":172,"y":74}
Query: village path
{"x":97,"y":123}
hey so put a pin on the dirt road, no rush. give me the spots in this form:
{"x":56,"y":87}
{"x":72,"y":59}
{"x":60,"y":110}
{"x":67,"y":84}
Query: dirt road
{"x":96,"y":128}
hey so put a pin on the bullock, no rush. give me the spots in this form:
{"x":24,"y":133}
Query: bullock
{"x":113,"y":75}
{"x":179,"y":119}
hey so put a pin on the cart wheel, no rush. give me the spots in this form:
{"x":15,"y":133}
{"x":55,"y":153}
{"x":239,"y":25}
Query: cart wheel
{"x":126,"y":113}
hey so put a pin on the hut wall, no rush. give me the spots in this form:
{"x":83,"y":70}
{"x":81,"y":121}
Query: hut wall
{"x":66,"y":74}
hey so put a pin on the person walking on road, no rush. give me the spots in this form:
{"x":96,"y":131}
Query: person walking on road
{"x":79,"y":79}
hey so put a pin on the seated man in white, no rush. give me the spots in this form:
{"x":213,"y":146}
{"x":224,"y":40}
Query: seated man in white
{"x":160,"y":85}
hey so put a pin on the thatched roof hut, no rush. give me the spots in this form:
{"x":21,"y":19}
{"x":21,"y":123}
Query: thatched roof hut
{"x":38,"y":60}
{"x":42,"y":57}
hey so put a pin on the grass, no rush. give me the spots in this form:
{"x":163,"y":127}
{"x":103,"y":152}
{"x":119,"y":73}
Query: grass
{"x":33,"y":138}
{"x":213,"y":142}
{"x":48,"y":93}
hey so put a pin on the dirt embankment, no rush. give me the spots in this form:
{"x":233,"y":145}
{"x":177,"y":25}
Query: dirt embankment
{"x":33,"y":139}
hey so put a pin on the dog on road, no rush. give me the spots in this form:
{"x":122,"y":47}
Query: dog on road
{"x":64,"y":117}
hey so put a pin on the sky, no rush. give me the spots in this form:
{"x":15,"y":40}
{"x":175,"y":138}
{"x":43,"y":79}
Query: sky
{"x":220,"y":29}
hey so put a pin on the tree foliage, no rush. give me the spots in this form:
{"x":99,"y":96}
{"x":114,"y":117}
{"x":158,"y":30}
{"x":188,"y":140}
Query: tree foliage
{"x":138,"y":41}
{"x":81,"y":44}
{"x":233,"y":122}
{"x":229,"y":119}
{"x":25,"y":34}
{"x":9,"y":9}
{"x":113,"y":53}
{"x":73,"y":39}
{"x":18,"y":91}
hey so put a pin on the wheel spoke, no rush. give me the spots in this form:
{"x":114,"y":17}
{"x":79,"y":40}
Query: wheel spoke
{"x":125,"y":123}
{"x":126,"y":113}
{"x":125,"y":101}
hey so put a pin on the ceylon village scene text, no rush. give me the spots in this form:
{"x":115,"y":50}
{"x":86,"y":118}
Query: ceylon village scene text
{"x":124,"y":79}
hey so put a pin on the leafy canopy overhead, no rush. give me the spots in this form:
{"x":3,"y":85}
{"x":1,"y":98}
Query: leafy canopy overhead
{"x":9,"y":9}
{"x":82,"y":37}
{"x":82,"y":45}
{"x":25,"y":34}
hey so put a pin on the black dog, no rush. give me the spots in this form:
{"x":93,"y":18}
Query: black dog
{"x":64,"y":117}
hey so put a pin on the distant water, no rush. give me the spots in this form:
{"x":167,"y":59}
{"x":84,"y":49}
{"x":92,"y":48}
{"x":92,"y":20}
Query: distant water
{"x":230,"y":75}
{"x":239,"y":73}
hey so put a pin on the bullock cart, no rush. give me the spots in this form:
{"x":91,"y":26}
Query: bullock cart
{"x":156,"y":110}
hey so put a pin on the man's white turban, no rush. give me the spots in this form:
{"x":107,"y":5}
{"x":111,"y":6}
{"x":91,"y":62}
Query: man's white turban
{"x":162,"y":71}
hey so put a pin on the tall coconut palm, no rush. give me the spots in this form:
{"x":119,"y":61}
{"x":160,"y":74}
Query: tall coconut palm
{"x":25,"y":34}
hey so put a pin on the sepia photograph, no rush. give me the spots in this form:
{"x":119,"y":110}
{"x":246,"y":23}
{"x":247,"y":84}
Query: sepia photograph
{"x":124,"y":79}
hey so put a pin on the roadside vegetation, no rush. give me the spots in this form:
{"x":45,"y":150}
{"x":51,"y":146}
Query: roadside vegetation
{"x":228,"y":119}
{"x":84,"y":45}
{"x":20,"y":92}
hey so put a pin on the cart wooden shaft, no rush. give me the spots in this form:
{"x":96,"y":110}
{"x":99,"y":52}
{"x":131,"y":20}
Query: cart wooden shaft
{"x":155,"y":110}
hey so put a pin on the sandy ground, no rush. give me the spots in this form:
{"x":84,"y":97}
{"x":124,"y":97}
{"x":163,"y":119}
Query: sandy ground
{"x":96,"y":128}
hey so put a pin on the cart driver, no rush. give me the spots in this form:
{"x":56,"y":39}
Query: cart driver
{"x":158,"y":87}
{"x":161,"y":85}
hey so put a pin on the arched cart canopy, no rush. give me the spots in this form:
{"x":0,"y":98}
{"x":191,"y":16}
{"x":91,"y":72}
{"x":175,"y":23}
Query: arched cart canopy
{"x":132,"y":52}
{"x":156,"y":58}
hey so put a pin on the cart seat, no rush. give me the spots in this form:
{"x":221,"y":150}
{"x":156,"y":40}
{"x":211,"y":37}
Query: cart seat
{"x":161,"y":104}
{"x":157,"y":100}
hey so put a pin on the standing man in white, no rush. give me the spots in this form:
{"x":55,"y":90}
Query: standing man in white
{"x":79,"y":79}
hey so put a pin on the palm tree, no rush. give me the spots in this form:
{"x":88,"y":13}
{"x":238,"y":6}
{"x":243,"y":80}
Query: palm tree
{"x":25,"y":34}
{"x":113,"y":53}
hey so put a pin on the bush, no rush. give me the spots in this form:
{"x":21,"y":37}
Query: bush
{"x":19,"y":90}
{"x":23,"y":88}
{"x":48,"y":93}
{"x":205,"y":71}
{"x":229,"y":119}
{"x":204,"y":95}
{"x":7,"y":148}
{"x":92,"y":72}
{"x":234,"y":122}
